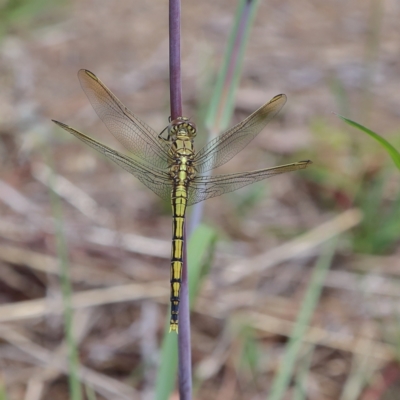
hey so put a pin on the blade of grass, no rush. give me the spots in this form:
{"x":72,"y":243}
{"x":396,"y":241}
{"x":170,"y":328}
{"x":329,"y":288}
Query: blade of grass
{"x":300,"y":389}
{"x":372,"y":48}
{"x":199,"y":245}
{"x":90,"y":393}
{"x":249,"y":356}
{"x":3,"y":393}
{"x":361,"y":372}
{"x":166,"y":373}
{"x":201,"y":250}
{"x":282,"y":379}
{"x":342,"y":99}
{"x":379,"y":216}
{"x":66,"y":288}
{"x":394,"y":154}
{"x":221,"y":105}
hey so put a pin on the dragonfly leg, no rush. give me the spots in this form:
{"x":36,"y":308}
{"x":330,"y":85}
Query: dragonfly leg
{"x":167,"y":139}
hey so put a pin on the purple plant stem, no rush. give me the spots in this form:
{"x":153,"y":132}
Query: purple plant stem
{"x":175,"y":79}
{"x":184,"y":349}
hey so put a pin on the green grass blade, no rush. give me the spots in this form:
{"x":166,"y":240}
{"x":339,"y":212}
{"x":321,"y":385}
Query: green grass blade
{"x":379,"y":216}
{"x":167,"y":368}
{"x":90,"y":393}
{"x":249,"y":355}
{"x":310,"y":301}
{"x":300,"y":389}
{"x":221,"y":105}
{"x":199,"y":245}
{"x":200,"y":249}
{"x":66,"y":289}
{"x":3,"y":393}
{"x":341,"y":96}
{"x":387,"y":146}
{"x":361,"y":372}
{"x":222,"y":101}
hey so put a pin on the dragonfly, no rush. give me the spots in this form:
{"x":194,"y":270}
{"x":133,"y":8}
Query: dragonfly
{"x":168,"y":164}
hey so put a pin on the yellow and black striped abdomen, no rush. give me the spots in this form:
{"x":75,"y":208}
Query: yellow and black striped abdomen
{"x":179,"y":200}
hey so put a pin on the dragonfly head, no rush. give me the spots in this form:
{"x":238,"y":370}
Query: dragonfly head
{"x":182,"y":127}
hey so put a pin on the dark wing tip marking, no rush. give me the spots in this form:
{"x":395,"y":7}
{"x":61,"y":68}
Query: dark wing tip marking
{"x":278,"y":97}
{"x":89,"y":73}
{"x":60,"y":124}
{"x":305,"y":162}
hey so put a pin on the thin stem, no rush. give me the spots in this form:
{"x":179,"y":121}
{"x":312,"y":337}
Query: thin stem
{"x":184,"y":350}
{"x":175,"y":79}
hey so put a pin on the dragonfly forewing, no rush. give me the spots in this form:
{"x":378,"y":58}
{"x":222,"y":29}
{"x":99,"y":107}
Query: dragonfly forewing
{"x":137,"y":137}
{"x":156,"y":180}
{"x":206,"y":187}
{"x":221,"y":149}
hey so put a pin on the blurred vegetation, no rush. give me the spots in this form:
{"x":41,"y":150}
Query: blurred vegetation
{"x":75,"y":389}
{"x":379,"y":231}
{"x":283,"y":377}
{"x":16,"y":15}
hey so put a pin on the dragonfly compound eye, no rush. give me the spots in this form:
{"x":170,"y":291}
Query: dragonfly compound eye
{"x":184,"y":126}
{"x":191,"y":129}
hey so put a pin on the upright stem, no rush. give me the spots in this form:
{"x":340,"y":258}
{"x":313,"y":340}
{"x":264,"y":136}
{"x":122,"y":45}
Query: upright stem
{"x":175,"y":79}
{"x":184,"y":350}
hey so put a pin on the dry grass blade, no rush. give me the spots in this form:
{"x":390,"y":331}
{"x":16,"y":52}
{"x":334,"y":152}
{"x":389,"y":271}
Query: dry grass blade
{"x":49,"y":265}
{"x":96,"y":235}
{"x":302,"y":245}
{"x":130,"y":242}
{"x":134,"y":292}
{"x":15,"y":200}
{"x":72,"y":194}
{"x":88,"y":298}
{"x":83,"y":321}
{"x":106,"y":386}
{"x":319,"y":336}
{"x":315,"y":335}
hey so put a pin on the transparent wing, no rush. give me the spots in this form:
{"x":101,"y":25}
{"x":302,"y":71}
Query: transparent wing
{"x":220,"y":150}
{"x":203,"y":187}
{"x":156,"y":180}
{"x":134,"y":134}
